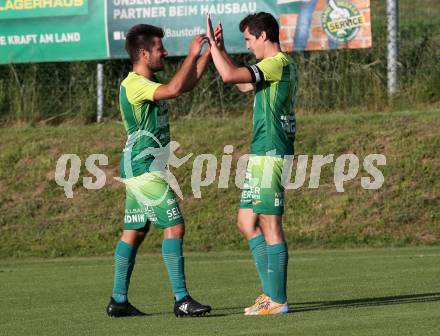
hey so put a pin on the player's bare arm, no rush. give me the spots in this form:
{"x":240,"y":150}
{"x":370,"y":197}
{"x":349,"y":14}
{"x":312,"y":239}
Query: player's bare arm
{"x":228,"y":71}
{"x":176,"y":86}
{"x":203,"y":62}
{"x":219,"y":40}
{"x":200,"y":69}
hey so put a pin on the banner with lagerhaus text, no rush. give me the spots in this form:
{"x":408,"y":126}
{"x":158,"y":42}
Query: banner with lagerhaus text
{"x":73,"y":30}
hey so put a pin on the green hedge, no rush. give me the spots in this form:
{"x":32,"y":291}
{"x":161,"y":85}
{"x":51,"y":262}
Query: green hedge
{"x":344,"y":80}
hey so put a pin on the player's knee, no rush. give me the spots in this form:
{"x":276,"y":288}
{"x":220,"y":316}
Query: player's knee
{"x":272,"y":229}
{"x":247,"y":229}
{"x":134,"y":237}
{"x":243,"y":222}
{"x":241,"y":225}
{"x":140,"y":236}
{"x":174,"y":232}
{"x":181,"y":232}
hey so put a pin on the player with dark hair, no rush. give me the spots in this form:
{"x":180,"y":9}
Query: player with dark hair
{"x":259,"y":23}
{"x":274,"y":79}
{"x":149,"y":198}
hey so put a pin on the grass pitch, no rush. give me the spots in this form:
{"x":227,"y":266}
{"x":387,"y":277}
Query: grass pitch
{"x":331,"y":292}
{"x":403,"y":212}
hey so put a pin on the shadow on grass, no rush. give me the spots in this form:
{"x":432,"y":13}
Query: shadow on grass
{"x":363,"y":302}
{"x":210,"y":315}
{"x":213,"y":313}
{"x":295,"y":307}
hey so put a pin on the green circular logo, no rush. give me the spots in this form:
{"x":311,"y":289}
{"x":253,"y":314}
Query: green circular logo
{"x":341,"y":20}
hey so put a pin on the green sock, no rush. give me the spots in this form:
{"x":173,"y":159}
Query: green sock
{"x":174,"y":262}
{"x":125,"y":257}
{"x":258,"y":249}
{"x":277,"y":258}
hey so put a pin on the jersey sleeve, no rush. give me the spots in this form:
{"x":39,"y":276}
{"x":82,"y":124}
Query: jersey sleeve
{"x":271,"y":68}
{"x":256,"y":73}
{"x":141,"y":89}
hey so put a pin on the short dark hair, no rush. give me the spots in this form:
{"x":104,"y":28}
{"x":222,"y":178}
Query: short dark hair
{"x":259,"y":22}
{"x":140,"y":37}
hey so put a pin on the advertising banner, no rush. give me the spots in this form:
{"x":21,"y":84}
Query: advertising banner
{"x":68,"y":30}
{"x":30,"y":33}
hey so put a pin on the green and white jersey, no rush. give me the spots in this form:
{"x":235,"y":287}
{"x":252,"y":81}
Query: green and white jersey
{"x":146,"y":123}
{"x":274,"y":121}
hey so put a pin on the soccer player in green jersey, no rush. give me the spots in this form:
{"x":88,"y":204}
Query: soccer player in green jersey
{"x":274,"y":79}
{"x":149,"y":198}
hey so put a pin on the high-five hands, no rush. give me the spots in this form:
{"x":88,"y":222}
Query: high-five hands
{"x":218,"y":36}
{"x":215,"y":36}
{"x":209,"y":29}
{"x":196,"y":44}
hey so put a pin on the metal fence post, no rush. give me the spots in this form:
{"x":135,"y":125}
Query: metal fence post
{"x":392,"y":46}
{"x":99,"y":91}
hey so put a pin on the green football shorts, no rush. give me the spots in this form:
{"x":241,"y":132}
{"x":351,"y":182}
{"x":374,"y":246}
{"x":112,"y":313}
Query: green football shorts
{"x":263,"y":191}
{"x":150,"y":200}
